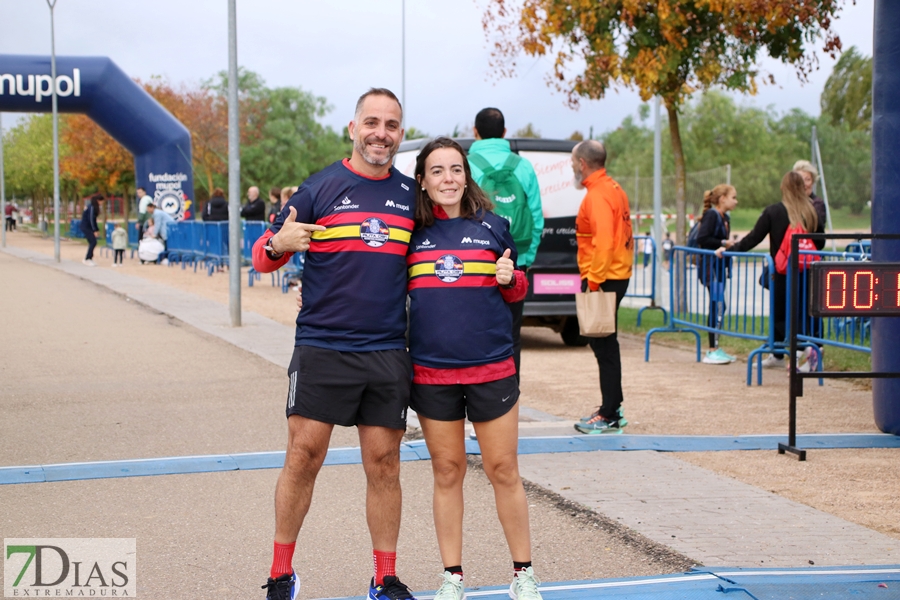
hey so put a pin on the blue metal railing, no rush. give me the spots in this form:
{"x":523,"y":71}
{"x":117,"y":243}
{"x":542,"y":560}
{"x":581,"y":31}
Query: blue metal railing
{"x":643,"y":282}
{"x":851,"y":333}
{"x":701,"y":285}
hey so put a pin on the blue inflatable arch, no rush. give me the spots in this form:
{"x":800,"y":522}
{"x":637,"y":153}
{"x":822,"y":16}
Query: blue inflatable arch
{"x":886,"y":202}
{"x":95,"y":86}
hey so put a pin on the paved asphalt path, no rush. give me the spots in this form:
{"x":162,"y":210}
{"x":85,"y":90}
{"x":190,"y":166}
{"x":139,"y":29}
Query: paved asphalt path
{"x":86,"y":374}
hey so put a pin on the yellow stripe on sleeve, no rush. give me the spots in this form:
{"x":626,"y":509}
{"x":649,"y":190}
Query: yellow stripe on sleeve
{"x":332,"y":233}
{"x":352,"y":231}
{"x":479,"y":268}
{"x":421,"y":269}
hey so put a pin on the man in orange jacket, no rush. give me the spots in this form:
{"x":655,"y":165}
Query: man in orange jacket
{"x":605,"y":257}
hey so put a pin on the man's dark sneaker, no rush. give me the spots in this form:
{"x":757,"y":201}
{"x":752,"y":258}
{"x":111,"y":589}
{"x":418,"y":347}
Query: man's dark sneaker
{"x":391,"y":589}
{"x":285,"y":587}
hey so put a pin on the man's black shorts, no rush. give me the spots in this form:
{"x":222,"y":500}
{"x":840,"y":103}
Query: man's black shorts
{"x":480,"y":401}
{"x":350,"y":388}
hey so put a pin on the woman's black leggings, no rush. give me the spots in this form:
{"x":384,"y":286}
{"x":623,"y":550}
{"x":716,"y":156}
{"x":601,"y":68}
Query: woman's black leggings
{"x":92,"y":243}
{"x":716,"y":310}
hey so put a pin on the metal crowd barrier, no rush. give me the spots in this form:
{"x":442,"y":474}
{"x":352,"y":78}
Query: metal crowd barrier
{"x":75,"y":229}
{"x":195,"y":242}
{"x":700,"y":283}
{"x":643,"y":282}
{"x":851,"y":333}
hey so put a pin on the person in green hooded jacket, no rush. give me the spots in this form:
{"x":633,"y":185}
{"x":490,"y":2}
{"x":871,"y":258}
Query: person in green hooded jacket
{"x":512,"y":186}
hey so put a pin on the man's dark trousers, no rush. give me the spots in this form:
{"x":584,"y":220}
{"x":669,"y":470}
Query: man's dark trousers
{"x":606,"y":349}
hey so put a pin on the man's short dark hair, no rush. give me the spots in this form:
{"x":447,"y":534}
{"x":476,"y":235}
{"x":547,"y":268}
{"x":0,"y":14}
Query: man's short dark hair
{"x":489,"y":123}
{"x":376,"y":92}
{"x":593,"y":153}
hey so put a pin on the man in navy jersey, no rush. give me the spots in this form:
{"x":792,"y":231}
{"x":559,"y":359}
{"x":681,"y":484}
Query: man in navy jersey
{"x":350,"y":367}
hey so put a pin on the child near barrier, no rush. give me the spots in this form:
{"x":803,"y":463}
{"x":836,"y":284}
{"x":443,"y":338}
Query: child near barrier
{"x":714,"y":233}
{"x":119,"y":243}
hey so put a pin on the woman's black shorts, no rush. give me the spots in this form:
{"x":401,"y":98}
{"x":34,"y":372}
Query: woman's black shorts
{"x":479,"y":401}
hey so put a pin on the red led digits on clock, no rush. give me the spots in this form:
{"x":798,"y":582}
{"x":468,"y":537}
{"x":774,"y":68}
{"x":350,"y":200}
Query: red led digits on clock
{"x":867,"y":291}
{"x":840,"y":279}
{"x":855,"y":288}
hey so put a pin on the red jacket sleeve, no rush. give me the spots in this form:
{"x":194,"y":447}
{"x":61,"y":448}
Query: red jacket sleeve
{"x":261,"y":261}
{"x":518,"y":291}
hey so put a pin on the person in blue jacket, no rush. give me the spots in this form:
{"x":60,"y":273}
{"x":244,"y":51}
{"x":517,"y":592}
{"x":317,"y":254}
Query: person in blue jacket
{"x":715,"y":233}
{"x":462,"y":278}
{"x":89,"y":227}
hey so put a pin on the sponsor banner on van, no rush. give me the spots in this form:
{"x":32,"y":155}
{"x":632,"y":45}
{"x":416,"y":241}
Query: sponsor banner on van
{"x":564,"y":283}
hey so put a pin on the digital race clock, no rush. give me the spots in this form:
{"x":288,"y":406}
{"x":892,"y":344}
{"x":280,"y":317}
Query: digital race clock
{"x":852,"y":289}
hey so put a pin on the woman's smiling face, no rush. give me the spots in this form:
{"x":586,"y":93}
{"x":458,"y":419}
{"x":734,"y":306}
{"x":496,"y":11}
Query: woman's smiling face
{"x":445,"y":179}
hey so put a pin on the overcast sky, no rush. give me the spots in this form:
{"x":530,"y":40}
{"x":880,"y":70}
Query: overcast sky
{"x":340,"y":49}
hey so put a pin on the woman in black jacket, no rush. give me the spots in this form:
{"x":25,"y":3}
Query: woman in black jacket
{"x":714,"y":233}
{"x":794,"y":209}
{"x":89,"y":227}
{"x":217,"y":207}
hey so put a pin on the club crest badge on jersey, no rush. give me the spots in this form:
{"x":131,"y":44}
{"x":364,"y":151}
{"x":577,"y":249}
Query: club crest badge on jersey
{"x":448,"y":268}
{"x":374,"y":232}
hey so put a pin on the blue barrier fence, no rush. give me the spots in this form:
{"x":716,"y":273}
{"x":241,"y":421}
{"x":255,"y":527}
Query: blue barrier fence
{"x":75,"y":229}
{"x":730,"y":296}
{"x":722,"y":297}
{"x":643,"y":282}
{"x":851,"y":333}
{"x":195,"y":242}
{"x":199,"y":243}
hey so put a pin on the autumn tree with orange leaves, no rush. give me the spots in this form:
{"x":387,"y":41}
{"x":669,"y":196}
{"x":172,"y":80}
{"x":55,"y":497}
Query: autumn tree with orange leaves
{"x":93,"y":159}
{"x":665,"y":48}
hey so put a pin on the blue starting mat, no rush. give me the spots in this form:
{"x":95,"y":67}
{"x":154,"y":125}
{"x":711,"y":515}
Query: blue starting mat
{"x":725,"y":583}
{"x":417,"y":450}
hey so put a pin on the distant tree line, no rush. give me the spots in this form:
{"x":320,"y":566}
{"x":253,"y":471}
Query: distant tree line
{"x":762,"y":144}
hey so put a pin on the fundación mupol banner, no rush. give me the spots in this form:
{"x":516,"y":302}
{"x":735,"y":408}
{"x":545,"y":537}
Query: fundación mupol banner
{"x":69,"y":568}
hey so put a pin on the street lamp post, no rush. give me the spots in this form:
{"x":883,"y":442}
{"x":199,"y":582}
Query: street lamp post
{"x":403,"y":63}
{"x":657,"y":196}
{"x":52,"y":5}
{"x":2,"y":188}
{"x":234,"y":174}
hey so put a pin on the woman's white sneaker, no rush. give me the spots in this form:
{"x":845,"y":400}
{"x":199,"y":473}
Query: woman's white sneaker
{"x":525,"y":585}
{"x":452,"y":588}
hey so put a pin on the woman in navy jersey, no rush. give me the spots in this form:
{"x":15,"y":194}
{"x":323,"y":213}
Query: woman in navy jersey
{"x":461,"y":276}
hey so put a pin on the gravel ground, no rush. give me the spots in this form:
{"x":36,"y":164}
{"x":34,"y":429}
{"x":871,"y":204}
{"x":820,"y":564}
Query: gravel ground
{"x":87,"y":375}
{"x":672,"y":394}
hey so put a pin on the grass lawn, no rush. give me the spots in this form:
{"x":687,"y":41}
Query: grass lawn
{"x":743,"y":219}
